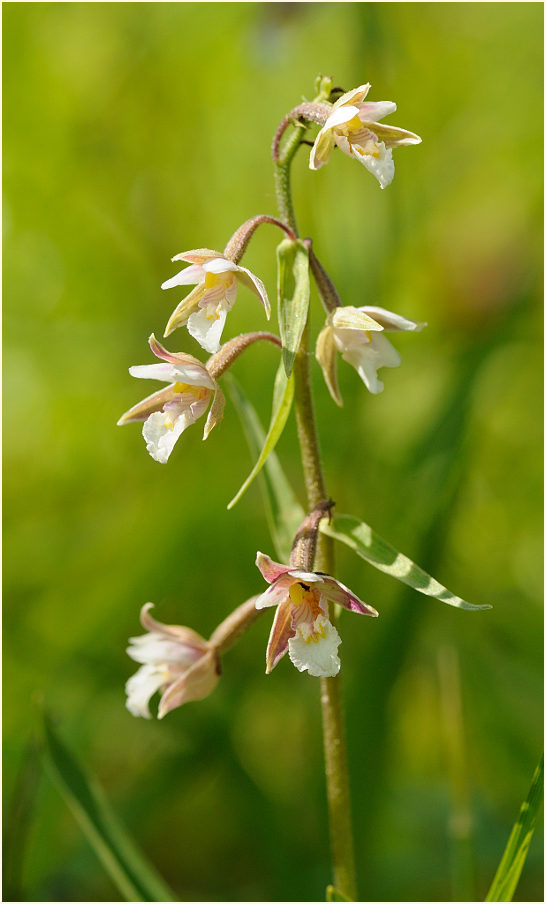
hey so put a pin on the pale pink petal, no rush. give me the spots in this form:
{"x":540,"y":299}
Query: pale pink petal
{"x":196,"y":683}
{"x":372,"y":112}
{"x":196,"y":256}
{"x":270,"y":570}
{"x":337,"y":592}
{"x":184,"y":635}
{"x":142,"y":410}
{"x":394,"y":137}
{"x":216,"y":412}
{"x":219,"y":265}
{"x":281,"y":632}
{"x":322,"y":148}
{"x":163,"y":372}
{"x":340,"y":116}
{"x":183,"y":310}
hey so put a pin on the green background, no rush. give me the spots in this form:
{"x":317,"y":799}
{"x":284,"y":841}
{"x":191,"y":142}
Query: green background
{"x":134,"y":131}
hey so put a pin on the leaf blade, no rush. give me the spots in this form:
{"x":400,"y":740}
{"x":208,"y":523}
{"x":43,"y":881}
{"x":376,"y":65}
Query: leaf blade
{"x":509,"y":870}
{"x":283,"y":395}
{"x":135,"y":878}
{"x":293,"y":291}
{"x":363,"y":540}
{"x":283,"y":511}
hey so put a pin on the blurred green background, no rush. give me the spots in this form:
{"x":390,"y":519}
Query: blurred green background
{"x":133,"y":131}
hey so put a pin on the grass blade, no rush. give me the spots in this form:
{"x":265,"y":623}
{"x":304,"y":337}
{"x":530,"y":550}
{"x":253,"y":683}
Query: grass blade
{"x":509,"y":871}
{"x":361,"y":538}
{"x":134,"y":877}
{"x":283,"y":394}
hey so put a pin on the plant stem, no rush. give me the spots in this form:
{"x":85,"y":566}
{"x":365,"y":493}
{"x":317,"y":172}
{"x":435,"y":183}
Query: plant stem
{"x":335,"y":750}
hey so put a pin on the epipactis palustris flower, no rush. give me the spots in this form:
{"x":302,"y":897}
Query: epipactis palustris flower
{"x":357,"y":333}
{"x":168,"y":412}
{"x":174,"y":660}
{"x":354,"y":127}
{"x":301,"y":624}
{"x":205,"y":309}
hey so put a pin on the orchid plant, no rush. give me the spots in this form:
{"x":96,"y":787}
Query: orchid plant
{"x":175,"y":660}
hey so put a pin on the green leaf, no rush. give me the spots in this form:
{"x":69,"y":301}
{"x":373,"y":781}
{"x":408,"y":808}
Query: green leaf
{"x":283,"y":393}
{"x":332,"y":894}
{"x":293,"y":289}
{"x":283,"y":511}
{"x":134,"y":877}
{"x":507,"y":876}
{"x":360,"y":537}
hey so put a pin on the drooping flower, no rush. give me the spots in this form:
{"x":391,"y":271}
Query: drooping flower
{"x":357,"y":333}
{"x":301,"y":624}
{"x":205,"y":309}
{"x":354,"y":127}
{"x":175,"y":661}
{"x":168,"y":412}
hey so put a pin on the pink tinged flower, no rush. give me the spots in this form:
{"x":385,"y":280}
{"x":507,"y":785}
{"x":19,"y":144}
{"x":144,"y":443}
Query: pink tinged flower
{"x":301,"y":624}
{"x":175,"y":661}
{"x":357,"y":334}
{"x":216,"y":281}
{"x":168,"y":412}
{"x":354,"y":126}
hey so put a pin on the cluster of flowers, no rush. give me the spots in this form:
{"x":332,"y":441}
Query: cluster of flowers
{"x":175,"y":659}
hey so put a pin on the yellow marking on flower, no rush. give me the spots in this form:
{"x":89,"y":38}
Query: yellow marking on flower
{"x":212,"y":279}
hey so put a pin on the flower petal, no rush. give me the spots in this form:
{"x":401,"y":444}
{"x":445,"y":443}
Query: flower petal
{"x":322,"y":148}
{"x":207,"y":329}
{"x":142,"y":410}
{"x":140,"y":687}
{"x":182,"y":634}
{"x":186,"y":277}
{"x":316,"y":654}
{"x":196,"y":683}
{"x":381,"y":167}
{"x":281,"y":632}
{"x":161,"y":434}
{"x":348,"y":317}
{"x":326,"y":355}
{"x":355,"y":96}
{"x":196,"y":255}
{"x":183,"y":310}
{"x":219,"y":265}
{"x":372,"y":112}
{"x":216,"y":412}
{"x":394,"y":137}
{"x":337,"y":592}
{"x":252,"y":282}
{"x":391,"y":321}
{"x":163,"y":372}
{"x":339,"y":116}
{"x":270,"y":570}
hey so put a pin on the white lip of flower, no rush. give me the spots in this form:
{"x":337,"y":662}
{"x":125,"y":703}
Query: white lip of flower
{"x":354,"y":127}
{"x":206,"y":307}
{"x":301,"y":625}
{"x":173,"y":659}
{"x":357,"y":333}
{"x":168,"y":412}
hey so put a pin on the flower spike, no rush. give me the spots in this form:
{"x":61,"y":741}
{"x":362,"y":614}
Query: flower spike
{"x":168,"y":412}
{"x":205,"y":309}
{"x":354,"y":127}
{"x":301,"y":623}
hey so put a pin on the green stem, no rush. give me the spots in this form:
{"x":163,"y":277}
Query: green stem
{"x":335,"y":750}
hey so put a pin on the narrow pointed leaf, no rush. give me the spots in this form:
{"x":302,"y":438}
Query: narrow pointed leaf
{"x":283,"y":394}
{"x":283,"y":511}
{"x":293,"y":289}
{"x":360,"y":537}
{"x":507,"y":876}
{"x":135,"y":878}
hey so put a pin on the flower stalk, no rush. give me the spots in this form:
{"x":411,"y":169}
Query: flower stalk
{"x":335,"y":750}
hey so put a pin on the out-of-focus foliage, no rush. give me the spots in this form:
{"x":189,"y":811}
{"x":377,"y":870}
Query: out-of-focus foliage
{"x":136,"y":131}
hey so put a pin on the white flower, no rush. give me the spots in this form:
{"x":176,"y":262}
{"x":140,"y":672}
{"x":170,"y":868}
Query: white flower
{"x":301,"y":624}
{"x":175,"y":660}
{"x":357,"y":333}
{"x":168,"y":412}
{"x":354,"y":127}
{"x":206,"y":307}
